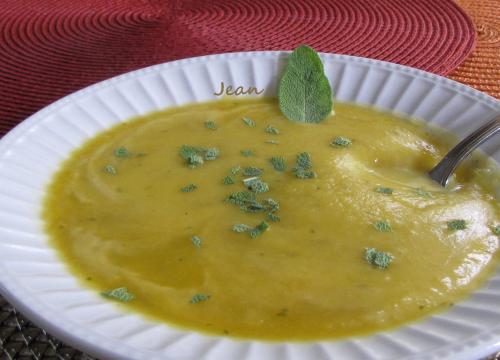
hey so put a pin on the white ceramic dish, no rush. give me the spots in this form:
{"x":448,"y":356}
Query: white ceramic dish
{"x":34,"y":279}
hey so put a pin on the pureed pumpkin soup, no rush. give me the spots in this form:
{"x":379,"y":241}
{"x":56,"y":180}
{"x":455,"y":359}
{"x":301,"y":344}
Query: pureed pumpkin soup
{"x":226,"y":217}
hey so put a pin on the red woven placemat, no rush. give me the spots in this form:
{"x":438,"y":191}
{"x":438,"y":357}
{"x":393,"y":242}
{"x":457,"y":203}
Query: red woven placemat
{"x":49,"y":48}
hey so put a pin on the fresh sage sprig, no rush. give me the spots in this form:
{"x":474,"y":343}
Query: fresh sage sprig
{"x":304,"y":93}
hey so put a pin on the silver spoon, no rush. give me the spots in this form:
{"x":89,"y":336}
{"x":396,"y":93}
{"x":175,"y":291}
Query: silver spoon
{"x":443,"y":170}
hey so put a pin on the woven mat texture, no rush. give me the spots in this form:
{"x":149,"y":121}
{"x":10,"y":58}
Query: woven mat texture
{"x":481,"y":70}
{"x":49,"y":48}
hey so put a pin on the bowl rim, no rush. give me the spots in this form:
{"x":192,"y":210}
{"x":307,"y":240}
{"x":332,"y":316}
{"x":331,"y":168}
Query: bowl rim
{"x":17,"y":296}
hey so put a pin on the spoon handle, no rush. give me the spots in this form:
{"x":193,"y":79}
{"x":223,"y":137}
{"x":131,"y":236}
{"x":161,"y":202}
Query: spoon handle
{"x":442,"y":171}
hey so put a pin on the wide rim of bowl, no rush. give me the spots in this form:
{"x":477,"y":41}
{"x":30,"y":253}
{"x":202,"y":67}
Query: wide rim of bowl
{"x":85,"y":340}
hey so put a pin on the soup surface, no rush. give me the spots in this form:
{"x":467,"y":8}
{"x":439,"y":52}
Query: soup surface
{"x":122,"y":213}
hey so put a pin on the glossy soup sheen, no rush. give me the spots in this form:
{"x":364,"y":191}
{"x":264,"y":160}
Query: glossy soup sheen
{"x":306,"y":276}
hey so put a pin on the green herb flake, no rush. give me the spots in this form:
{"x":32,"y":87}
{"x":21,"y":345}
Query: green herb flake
{"x":228,"y":180}
{"x":209,"y":124}
{"x":254,"y":232}
{"x":259,"y":229}
{"x":195,"y":161}
{"x":110,"y":169}
{"x":384,"y":190}
{"x":249,"y":122}
{"x":241,"y":197}
{"x":235,"y":169}
{"x":423,"y":193}
{"x":341,"y":142}
{"x":196,"y":240}
{"x":380,"y":259}
{"x":496,"y":230}
{"x":457,"y":224}
{"x":273,"y":217}
{"x":304,"y":174}
{"x":191,"y":155}
{"x":189,"y":188}
{"x":256,"y":185}
{"x":278,"y":163}
{"x":304,"y":160}
{"x":199,"y":298}
{"x":247,"y":153}
{"x":252,"y":171}
{"x":195,"y":155}
{"x":241,"y":228}
{"x":273,"y":142}
{"x":187,"y":151}
{"x":247,"y":201}
{"x":304,"y":93}
{"x":211,"y":154}
{"x":122,"y":152}
{"x":303,"y":168}
{"x":121,"y":294}
{"x":382,"y":226}
{"x":271,"y":130}
{"x":272,"y":205}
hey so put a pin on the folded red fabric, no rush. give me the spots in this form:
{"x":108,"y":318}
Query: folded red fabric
{"x":50,"y":48}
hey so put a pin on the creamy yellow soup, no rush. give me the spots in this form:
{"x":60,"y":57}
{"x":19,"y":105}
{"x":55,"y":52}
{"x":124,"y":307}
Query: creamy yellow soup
{"x":118,"y":217}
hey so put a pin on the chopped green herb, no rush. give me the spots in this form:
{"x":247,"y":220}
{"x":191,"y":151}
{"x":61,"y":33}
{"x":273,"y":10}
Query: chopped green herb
{"x":384,"y":190}
{"x":110,"y":169}
{"x":121,"y":294}
{"x":254,"y":232}
{"x":190,"y":154}
{"x":377,"y":258}
{"x":235,"y":169}
{"x":247,"y":201}
{"x":303,"y":168}
{"x":194,"y":161}
{"x":249,"y":122}
{"x":273,"y":217}
{"x":458,"y":224}
{"x":209,"y":124}
{"x":341,"y":141}
{"x":274,"y":142}
{"x":304,"y":174}
{"x":211,"y":154}
{"x":423,"y":193}
{"x":122,"y":152}
{"x":278,"y":163}
{"x":241,"y":228}
{"x":186,"y":151}
{"x":252,"y":171}
{"x":304,"y":160}
{"x":194,"y":155}
{"x":259,"y":229}
{"x":382,"y":226}
{"x":496,"y":230}
{"x":196,"y":240}
{"x":228,"y":180}
{"x":199,"y":298}
{"x":272,"y":205}
{"x":247,"y":153}
{"x":256,"y":185}
{"x":241,"y":197}
{"x":271,"y":130}
{"x":304,"y":93}
{"x":189,"y":188}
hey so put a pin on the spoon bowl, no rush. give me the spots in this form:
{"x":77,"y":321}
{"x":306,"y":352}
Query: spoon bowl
{"x":443,"y":170}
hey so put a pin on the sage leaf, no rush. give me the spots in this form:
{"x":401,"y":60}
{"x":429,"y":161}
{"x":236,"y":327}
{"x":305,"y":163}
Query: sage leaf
{"x":304,"y":93}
